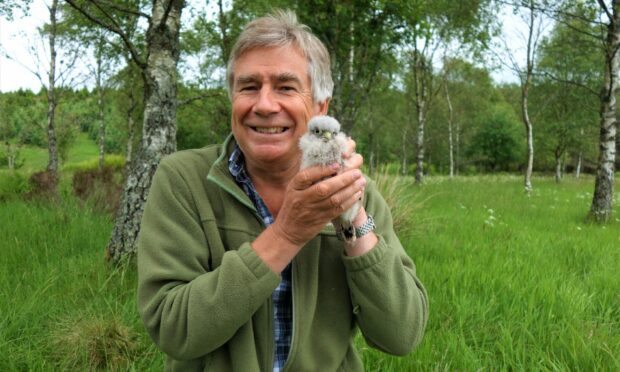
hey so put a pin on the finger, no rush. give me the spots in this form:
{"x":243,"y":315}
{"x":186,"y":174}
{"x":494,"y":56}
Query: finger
{"x":311,"y":175}
{"x":355,"y":161}
{"x":350,"y":149}
{"x":334,"y":191}
{"x":348,"y":200}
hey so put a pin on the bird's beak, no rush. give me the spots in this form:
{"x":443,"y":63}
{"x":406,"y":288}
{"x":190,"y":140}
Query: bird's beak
{"x":327,"y":135}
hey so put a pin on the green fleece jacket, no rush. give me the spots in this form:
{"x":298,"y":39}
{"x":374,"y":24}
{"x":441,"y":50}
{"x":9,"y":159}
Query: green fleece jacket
{"x":205,"y":296}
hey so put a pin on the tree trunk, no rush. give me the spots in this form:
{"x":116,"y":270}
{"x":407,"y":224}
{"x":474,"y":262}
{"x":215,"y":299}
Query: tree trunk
{"x":457,"y":147}
{"x":524,"y":108}
{"x":99,"y":88}
{"x":450,"y":120}
{"x":578,"y":166}
{"x":419,"y":171}
{"x":558,"y":169}
{"x":602,"y":200}
{"x":159,"y":126}
{"x":52,"y":165}
{"x":421,"y":97}
{"x":404,"y":153}
{"x":130,"y":131}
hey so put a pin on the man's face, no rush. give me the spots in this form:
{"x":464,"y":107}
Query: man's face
{"x":272,"y":103}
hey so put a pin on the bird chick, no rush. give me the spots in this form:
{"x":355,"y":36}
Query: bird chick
{"x":324,"y":144}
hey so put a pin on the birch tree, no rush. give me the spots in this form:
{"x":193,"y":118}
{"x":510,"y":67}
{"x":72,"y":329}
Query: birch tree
{"x":532,"y":17}
{"x":602,"y":201}
{"x":158,"y":66}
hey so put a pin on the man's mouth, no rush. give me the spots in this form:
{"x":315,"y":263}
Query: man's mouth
{"x":269,"y":130}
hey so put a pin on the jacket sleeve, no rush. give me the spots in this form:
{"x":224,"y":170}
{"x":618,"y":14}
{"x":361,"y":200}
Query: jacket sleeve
{"x":188,"y":310}
{"x":389,"y":302}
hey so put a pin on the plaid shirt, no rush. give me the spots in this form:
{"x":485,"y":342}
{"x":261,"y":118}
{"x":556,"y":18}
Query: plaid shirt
{"x":283,"y":294}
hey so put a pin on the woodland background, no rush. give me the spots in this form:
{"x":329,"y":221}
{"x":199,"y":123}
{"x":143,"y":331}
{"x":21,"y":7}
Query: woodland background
{"x":512,"y":223}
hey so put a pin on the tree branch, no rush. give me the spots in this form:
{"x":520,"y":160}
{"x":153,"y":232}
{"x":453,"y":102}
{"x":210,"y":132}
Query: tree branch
{"x":135,"y":55}
{"x":122,"y":9}
{"x":166,"y":13}
{"x":199,"y":97}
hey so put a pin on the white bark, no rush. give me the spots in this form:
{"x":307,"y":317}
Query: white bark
{"x":52,"y":165}
{"x":101,"y":116}
{"x":159,"y":126}
{"x":450,"y":121}
{"x":578,"y":166}
{"x":602,"y":200}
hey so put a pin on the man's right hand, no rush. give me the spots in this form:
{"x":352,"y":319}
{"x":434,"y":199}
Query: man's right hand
{"x":314,"y":197}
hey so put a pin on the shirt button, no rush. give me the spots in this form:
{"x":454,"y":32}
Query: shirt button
{"x":356,"y":309}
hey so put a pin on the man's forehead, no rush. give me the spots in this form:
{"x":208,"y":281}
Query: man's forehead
{"x":286,"y":76}
{"x":280,"y":63}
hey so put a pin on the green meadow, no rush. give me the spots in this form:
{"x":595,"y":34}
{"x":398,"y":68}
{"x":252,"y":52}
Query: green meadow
{"x":515,"y":282}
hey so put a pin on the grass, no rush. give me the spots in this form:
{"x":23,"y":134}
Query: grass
{"x":515,"y":283}
{"x":36,"y":158}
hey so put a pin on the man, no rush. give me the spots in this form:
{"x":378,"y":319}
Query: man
{"x":239,"y":268}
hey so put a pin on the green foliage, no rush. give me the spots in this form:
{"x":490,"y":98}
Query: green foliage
{"x":496,"y":145}
{"x":61,"y":308}
{"x":202,"y":121}
{"x":514,"y":283}
{"x":116,"y":162}
{"x":13,"y":184}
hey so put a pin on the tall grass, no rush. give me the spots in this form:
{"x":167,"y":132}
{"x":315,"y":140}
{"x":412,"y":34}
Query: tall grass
{"x":61,"y":307}
{"x":515,"y":283}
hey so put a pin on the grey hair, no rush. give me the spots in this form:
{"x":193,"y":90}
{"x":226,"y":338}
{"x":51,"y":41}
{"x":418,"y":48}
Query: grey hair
{"x":281,"y":28}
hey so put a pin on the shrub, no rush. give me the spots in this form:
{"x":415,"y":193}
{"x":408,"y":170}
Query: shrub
{"x":13,"y":184}
{"x":101,"y":188}
{"x":42,"y":185}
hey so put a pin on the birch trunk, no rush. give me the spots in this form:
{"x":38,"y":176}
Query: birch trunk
{"x":578,"y":166}
{"x":450,"y":121}
{"x":52,"y":165}
{"x":421,"y":96}
{"x":602,"y":200}
{"x":130,"y":131}
{"x":524,"y":105}
{"x":558,"y":169}
{"x":419,"y":171}
{"x":101,"y":118}
{"x":159,"y":126}
{"x":404,"y":153}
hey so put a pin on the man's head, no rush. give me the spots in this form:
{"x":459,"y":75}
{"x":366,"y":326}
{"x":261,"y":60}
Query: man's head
{"x":282,"y":29}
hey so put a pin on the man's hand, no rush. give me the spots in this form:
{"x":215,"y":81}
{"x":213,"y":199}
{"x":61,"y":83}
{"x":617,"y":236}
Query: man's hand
{"x":352,"y":160}
{"x":315,"y":196}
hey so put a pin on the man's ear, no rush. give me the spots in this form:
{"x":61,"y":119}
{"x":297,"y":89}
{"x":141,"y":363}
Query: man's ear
{"x":323,"y":107}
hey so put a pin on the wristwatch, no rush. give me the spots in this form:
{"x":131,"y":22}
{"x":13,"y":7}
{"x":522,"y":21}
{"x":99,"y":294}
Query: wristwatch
{"x":366,"y":227}
{"x":360,"y":231}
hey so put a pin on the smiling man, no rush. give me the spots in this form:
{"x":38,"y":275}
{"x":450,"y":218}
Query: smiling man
{"x":239,"y":266}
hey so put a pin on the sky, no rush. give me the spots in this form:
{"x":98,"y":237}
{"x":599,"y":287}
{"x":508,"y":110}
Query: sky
{"x":16,"y":37}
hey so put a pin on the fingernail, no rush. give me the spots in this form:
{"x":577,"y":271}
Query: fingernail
{"x":357,"y":174}
{"x":334,"y":165}
{"x":361,"y":183}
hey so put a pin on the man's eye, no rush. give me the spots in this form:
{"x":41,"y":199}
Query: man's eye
{"x":287,"y":88}
{"x":248,"y":88}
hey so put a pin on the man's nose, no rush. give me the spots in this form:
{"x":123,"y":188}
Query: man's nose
{"x":266,"y":103}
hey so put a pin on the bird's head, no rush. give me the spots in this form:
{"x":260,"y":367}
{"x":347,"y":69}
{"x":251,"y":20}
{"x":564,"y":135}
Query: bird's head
{"x":324,"y":127}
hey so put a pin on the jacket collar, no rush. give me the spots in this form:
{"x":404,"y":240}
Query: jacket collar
{"x":220,"y":174}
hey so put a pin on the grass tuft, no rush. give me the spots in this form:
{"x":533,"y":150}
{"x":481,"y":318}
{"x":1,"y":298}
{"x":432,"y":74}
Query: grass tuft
{"x":94,"y":343}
